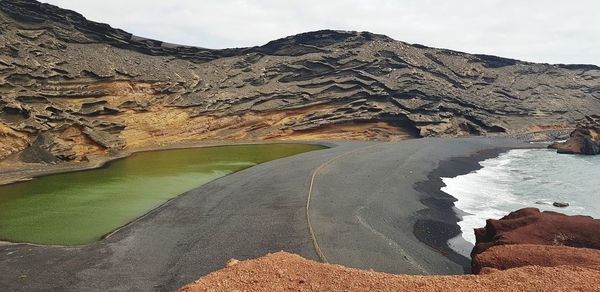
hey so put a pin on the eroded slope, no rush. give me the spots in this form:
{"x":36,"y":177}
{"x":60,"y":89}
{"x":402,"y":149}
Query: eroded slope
{"x":70,"y":88}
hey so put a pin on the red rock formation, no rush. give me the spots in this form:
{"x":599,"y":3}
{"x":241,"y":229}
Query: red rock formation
{"x":530,"y":237}
{"x":503,"y":257}
{"x":530,"y":226}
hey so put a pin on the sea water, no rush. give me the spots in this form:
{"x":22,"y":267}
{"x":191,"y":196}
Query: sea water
{"x":523,"y":178}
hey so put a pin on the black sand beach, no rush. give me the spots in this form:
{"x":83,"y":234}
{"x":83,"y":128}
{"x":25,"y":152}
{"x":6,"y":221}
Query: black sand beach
{"x":438,"y":223}
{"x":365,"y":209}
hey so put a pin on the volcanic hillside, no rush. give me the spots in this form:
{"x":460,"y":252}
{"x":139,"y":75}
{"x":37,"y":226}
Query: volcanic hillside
{"x":70,"y":88}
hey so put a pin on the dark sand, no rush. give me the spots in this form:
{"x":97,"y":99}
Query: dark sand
{"x":367,"y":205}
{"x":363,"y":211}
{"x":436,"y":224}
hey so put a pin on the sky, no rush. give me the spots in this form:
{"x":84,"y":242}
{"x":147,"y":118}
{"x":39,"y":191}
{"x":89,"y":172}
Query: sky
{"x":550,"y":31}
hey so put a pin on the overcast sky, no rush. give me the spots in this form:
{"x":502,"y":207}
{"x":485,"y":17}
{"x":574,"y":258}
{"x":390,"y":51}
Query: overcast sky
{"x":556,"y":31}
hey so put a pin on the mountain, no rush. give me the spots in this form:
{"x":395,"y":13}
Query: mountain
{"x":70,"y":88}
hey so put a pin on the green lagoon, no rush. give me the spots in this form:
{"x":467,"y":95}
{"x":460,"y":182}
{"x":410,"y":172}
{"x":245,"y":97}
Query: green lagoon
{"x":80,"y":207}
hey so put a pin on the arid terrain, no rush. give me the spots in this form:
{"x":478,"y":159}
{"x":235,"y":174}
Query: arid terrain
{"x":283,"y":271}
{"x":527,"y":250}
{"x":71,"y":89}
{"x":263,"y":209}
{"x":75,"y":94}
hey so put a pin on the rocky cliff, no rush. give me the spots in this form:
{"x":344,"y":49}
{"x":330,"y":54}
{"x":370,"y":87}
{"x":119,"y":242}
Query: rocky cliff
{"x":585,"y":139}
{"x":70,"y":88}
{"x":530,"y":237}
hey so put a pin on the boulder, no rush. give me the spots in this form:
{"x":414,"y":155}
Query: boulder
{"x":585,"y":139}
{"x":560,"y":204}
{"x":47,"y":148}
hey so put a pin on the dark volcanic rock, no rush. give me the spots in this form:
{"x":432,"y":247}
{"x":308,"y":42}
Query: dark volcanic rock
{"x":59,"y":70}
{"x":104,"y":139}
{"x":585,"y":139}
{"x":64,"y":22}
{"x":97,"y":108}
{"x":560,"y":204}
{"x":46,"y":148}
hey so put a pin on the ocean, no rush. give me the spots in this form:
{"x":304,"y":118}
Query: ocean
{"x":523,"y":178}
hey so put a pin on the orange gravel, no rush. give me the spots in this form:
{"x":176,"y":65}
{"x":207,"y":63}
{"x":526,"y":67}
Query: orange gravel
{"x":284,"y":271}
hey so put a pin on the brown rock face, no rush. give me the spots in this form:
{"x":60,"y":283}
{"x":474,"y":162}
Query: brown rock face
{"x":503,"y":257}
{"x":59,"y":71}
{"x":583,"y":140}
{"x":510,"y":241}
{"x":287,"y":272}
{"x":530,"y":226}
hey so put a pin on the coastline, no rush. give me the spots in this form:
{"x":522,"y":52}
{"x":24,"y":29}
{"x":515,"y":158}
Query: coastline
{"x":262,"y":209}
{"x":438,"y":223}
{"x":365,"y":207}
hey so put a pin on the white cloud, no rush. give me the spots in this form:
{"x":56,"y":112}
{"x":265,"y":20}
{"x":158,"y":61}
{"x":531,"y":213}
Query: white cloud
{"x":534,"y":30}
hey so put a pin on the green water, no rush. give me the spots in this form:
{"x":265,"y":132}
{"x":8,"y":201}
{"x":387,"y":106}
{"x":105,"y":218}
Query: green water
{"x":80,"y":207}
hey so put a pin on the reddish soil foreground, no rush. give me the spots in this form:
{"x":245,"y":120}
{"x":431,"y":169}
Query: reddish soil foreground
{"x":527,"y":250}
{"x":283,"y":272}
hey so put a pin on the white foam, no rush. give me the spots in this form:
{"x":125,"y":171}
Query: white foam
{"x":520,"y":178}
{"x":481,"y":193}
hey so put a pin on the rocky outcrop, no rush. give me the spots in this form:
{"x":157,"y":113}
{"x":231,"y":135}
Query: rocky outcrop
{"x":46,"y":148}
{"x":287,"y":272}
{"x":504,"y":257}
{"x":585,"y":139}
{"x":530,"y":226}
{"x":59,"y":70}
{"x":530,"y":237}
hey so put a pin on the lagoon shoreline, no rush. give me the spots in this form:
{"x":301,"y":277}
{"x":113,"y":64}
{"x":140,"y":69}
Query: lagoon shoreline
{"x":14,"y":171}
